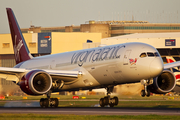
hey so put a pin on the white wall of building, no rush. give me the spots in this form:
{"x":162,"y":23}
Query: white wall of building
{"x":155,"y":39}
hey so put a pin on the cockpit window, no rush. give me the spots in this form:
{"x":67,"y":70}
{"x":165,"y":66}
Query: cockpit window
{"x":150,"y":54}
{"x":143,"y":55}
{"x":156,"y":54}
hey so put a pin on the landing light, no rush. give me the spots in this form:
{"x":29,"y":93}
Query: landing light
{"x":80,"y":73}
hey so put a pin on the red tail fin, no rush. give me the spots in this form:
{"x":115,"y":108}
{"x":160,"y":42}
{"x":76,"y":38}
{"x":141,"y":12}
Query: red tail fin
{"x":21,"y":51}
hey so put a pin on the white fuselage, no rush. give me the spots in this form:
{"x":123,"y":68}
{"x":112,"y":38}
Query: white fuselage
{"x":102,"y":66}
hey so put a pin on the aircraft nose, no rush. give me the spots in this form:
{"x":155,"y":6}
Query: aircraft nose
{"x":156,"y":67}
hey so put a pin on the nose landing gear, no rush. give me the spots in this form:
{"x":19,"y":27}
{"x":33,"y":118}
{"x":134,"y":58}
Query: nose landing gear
{"x":146,"y":91}
{"x":107,"y":100}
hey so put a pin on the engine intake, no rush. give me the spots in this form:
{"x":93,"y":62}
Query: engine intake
{"x":164,"y":83}
{"x":36,"y":82}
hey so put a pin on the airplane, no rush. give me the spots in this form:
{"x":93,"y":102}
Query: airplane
{"x":170,"y":59}
{"x":176,"y":72}
{"x":87,"y":69}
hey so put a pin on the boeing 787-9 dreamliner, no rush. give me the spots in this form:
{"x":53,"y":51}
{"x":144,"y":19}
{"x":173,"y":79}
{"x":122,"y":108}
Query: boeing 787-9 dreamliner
{"x":101,"y":67}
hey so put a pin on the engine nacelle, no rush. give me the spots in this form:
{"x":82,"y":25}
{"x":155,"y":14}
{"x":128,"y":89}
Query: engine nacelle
{"x":164,"y":83}
{"x":36,"y":82}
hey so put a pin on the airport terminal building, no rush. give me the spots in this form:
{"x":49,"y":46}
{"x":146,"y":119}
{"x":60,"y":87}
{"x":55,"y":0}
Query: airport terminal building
{"x":110,"y":28}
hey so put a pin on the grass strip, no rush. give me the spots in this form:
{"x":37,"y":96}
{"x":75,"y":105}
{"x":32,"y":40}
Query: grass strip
{"x":84,"y":117}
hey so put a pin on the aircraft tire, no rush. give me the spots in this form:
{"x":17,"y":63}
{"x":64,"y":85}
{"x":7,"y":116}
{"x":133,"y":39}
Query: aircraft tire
{"x":116,"y":100}
{"x":46,"y":102}
{"x":106,"y":100}
{"x":101,"y":102}
{"x":42,"y":102}
{"x":52,"y":102}
{"x":148,"y":93}
{"x":143,"y":93}
{"x":56,"y":102}
{"x":111,"y":104}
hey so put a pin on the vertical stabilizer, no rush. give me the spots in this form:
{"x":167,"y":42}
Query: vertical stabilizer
{"x":21,"y":51}
{"x":170,"y":59}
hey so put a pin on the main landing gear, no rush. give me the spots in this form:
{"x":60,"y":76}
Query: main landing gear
{"x":146,"y":91}
{"x":107,"y":100}
{"x":46,"y":102}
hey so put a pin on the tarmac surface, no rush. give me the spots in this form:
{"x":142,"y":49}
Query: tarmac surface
{"x":32,"y":106}
{"x":92,"y":111}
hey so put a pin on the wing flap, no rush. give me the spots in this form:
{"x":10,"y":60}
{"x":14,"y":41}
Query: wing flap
{"x":12,"y":78}
{"x":11,"y":74}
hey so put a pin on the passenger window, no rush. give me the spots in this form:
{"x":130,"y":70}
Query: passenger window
{"x":150,"y":54}
{"x":143,"y":55}
{"x":156,"y":54}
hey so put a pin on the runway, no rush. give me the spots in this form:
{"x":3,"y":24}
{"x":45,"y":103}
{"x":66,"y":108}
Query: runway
{"x":93,"y":111}
{"x":33,"y":106}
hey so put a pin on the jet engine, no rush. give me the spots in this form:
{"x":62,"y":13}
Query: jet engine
{"x":164,"y":83}
{"x":36,"y":82}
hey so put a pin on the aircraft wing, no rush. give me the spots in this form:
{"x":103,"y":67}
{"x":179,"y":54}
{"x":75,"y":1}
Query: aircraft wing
{"x":14,"y":74}
{"x":11,"y":74}
{"x":65,"y":75}
{"x":171,"y":65}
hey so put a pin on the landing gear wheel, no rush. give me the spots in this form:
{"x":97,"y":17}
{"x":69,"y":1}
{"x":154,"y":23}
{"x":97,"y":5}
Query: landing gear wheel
{"x":54,"y":102}
{"x":106,"y":100}
{"x":111,"y":104}
{"x":148,"y":93}
{"x":116,"y":100}
{"x":101,"y":102}
{"x":143,"y":93}
{"x":44,"y":102}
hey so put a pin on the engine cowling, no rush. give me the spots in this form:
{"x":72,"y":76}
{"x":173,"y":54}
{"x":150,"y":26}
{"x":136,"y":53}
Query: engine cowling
{"x":164,"y":83}
{"x":36,"y":82}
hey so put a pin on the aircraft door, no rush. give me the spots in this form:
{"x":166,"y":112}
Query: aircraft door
{"x":126,"y":57}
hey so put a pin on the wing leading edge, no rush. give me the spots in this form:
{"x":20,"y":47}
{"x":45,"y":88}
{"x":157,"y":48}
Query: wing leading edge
{"x":171,"y":65}
{"x":15,"y":74}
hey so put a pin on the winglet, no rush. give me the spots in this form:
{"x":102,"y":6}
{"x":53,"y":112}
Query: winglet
{"x":21,"y":51}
